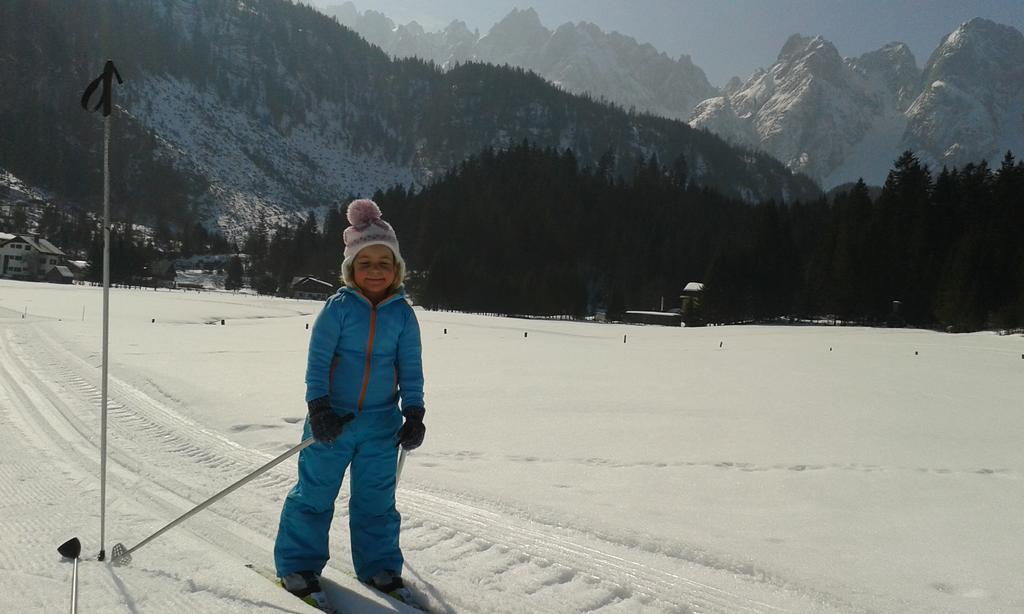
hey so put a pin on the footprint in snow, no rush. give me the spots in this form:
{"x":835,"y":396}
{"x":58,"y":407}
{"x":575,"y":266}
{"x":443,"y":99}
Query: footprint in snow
{"x":240,"y":428}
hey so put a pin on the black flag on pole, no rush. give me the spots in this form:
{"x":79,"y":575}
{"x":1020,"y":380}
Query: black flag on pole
{"x":107,"y":95}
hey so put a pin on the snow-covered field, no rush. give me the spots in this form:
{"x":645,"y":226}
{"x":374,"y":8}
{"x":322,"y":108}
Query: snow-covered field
{"x":729,"y":469}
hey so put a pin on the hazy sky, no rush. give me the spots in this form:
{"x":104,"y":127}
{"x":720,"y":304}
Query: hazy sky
{"x":727,"y":37}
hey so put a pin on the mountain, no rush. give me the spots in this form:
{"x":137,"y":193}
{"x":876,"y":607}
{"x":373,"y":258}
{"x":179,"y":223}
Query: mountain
{"x":895,"y":66}
{"x":580,"y":57}
{"x":833,"y":118}
{"x":839,"y":119}
{"x":240,"y":111}
{"x":818,"y":113}
{"x":970,"y":105}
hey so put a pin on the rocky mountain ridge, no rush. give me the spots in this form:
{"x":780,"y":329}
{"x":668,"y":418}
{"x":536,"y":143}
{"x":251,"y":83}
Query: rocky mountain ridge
{"x":836,"y":119}
{"x":578,"y":57}
{"x":235,"y":112}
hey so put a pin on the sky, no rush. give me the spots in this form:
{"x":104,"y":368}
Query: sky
{"x":721,"y":470}
{"x":728,"y":37}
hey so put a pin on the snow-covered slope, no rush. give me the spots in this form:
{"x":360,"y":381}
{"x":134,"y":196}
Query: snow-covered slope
{"x":257,"y":171}
{"x":13,"y":190}
{"x":972,"y":103}
{"x":839,"y":120}
{"x":812,"y":109}
{"x":716,"y":470}
{"x":894,"y":64}
{"x":16,"y":195}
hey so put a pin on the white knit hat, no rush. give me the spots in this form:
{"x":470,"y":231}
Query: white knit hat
{"x":368,"y":229}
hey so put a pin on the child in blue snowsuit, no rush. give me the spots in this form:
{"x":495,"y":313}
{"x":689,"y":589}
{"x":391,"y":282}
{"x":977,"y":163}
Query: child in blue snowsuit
{"x":364,"y":362}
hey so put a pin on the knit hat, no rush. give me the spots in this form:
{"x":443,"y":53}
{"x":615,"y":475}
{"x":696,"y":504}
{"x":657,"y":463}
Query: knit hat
{"x":368,"y":229}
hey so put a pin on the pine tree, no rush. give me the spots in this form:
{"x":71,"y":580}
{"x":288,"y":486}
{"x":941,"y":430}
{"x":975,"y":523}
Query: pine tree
{"x":904,"y":205}
{"x":233,"y":280}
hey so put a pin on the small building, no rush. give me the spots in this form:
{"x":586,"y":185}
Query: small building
{"x":78,"y":268}
{"x":27,"y":257}
{"x":660,"y":318}
{"x":690,"y":303}
{"x":311,"y":288}
{"x":162,"y":274}
{"x":895,"y":318}
{"x":60,"y":275}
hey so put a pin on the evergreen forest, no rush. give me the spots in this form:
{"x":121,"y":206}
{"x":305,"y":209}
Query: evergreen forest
{"x":532,"y":231}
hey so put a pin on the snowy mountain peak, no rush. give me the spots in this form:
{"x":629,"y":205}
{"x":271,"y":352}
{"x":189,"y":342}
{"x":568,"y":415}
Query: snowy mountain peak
{"x":973,"y":91}
{"x":578,"y":57}
{"x":977,"y":30}
{"x":814,"y":55}
{"x":513,"y":40}
{"x":457,"y":28}
{"x":519,"y":23}
{"x":894,"y":54}
{"x":414,"y":28}
{"x":976,"y":47}
{"x":809,"y":109}
{"x":798,"y":47}
{"x":895,"y":65}
{"x":794,"y":44}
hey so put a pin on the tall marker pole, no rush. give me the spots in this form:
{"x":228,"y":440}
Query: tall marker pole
{"x":107,"y":102}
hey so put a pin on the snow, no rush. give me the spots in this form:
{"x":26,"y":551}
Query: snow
{"x":10,"y":182}
{"x":204,"y":134}
{"x":865,"y":159}
{"x":200,"y":278}
{"x":723,"y":469}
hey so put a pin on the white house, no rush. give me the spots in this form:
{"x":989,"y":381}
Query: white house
{"x":27,"y":257}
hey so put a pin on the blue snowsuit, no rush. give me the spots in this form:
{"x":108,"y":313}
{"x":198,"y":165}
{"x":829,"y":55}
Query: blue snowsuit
{"x":366,"y":359}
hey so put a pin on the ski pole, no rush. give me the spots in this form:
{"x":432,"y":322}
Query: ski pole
{"x":106,"y":80}
{"x":123,"y":556}
{"x":70,"y":550}
{"x":401,"y":463}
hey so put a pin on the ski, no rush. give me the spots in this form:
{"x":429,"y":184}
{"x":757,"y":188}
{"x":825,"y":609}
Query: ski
{"x":318,"y":599}
{"x":402,"y":595}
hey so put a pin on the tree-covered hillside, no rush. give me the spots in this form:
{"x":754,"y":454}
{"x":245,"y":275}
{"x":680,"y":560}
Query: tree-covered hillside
{"x":231,"y":108}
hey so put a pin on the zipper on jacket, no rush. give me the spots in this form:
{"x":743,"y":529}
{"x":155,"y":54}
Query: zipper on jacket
{"x":369,"y":351}
{"x":369,"y":357}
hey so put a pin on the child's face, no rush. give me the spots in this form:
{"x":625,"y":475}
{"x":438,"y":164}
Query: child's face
{"x":374,"y":271}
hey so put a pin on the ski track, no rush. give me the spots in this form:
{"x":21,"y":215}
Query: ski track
{"x":511,"y":564}
{"x":41,"y":468}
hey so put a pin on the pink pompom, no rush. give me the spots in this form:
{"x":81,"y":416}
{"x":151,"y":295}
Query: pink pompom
{"x":362,"y":211}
